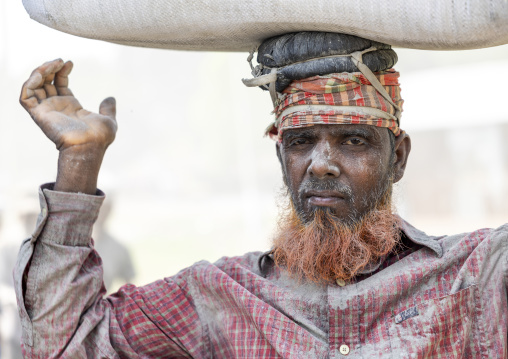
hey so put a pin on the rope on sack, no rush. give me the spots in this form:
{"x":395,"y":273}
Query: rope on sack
{"x":271,"y":78}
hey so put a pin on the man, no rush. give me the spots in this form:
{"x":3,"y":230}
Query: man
{"x":10,"y":330}
{"x":346,"y":276}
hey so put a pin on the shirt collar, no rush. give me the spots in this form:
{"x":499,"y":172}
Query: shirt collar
{"x":420,"y":237}
{"x":266,"y":262}
{"x":414,"y":235}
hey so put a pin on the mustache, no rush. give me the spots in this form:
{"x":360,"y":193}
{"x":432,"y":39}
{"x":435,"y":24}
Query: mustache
{"x":314,"y":184}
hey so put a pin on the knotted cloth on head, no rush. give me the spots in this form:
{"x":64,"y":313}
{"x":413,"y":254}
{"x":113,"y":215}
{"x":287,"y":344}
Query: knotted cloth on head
{"x":339,"y":98}
{"x":363,"y":97}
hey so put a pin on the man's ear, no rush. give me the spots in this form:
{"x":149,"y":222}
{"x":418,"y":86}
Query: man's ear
{"x":279,"y":156}
{"x":402,"y":149}
{"x":277,"y":149}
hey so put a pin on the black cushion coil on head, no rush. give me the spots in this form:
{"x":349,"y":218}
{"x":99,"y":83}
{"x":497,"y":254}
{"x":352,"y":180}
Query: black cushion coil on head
{"x":289,"y":50}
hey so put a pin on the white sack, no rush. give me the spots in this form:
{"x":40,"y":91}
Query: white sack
{"x":240,"y":25}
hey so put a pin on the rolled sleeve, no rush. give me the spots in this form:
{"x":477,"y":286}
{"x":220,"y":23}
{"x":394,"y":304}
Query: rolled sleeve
{"x":51,"y":263}
{"x":68,"y":218}
{"x":60,"y":294}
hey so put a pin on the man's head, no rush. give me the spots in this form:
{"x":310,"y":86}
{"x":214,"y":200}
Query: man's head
{"x":337,"y":108}
{"x":339,"y":179}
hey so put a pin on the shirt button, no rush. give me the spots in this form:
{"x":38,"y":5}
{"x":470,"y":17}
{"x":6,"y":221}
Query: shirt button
{"x":344,"y":349}
{"x":341,"y":282}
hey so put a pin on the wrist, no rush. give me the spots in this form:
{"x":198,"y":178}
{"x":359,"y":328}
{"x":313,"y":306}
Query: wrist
{"x":78,"y":169}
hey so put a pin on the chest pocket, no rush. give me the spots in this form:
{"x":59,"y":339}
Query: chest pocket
{"x":438,"y":328}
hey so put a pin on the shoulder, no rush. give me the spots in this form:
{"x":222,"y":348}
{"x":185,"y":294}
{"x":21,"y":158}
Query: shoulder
{"x":478,"y":257}
{"x":248,"y":261}
{"x":491,"y":239}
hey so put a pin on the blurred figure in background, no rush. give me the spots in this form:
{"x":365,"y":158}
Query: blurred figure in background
{"x":117,"y":261}
{"x":10,"y":328}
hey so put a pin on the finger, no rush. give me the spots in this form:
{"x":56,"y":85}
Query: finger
{"x":29,"y":97}
{"x":49,"y":69}
{"x":62,"y":76}
{"x":49,"y":78}
{"x":62,"y":79}
{"x":48,"y":85}
{"x":40,"y":94}
{"x":50,"y":90}
{"x":108,"y":107}
{"x":33,"y":82}
{"x":64,"y":91}
{"x":29,"y":104}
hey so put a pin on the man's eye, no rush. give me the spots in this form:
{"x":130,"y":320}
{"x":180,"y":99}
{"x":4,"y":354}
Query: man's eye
{"x":299,"y":141}
{"x":354,"y":141}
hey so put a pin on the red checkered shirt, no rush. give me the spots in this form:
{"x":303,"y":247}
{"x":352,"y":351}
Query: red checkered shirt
{"x":446,"y":298}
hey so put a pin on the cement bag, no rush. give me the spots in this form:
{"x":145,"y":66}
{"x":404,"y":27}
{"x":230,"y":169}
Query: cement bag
{"x":237,"y":25}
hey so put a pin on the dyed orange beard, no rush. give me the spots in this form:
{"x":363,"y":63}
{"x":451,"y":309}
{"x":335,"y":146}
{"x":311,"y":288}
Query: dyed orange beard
{"x":325,"y":249}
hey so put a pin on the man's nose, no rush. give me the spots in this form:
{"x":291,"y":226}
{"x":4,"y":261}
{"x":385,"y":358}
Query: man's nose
{"x":322,"y":164}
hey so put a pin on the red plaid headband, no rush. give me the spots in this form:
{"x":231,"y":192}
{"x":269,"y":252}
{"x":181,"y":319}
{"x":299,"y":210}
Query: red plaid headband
{"x":340,"y":98}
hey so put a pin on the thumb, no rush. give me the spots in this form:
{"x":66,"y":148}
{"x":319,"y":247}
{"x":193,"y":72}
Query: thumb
{"x":108,"y":107}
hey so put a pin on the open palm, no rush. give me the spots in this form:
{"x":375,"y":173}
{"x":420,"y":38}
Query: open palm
{"x":48,"y":99}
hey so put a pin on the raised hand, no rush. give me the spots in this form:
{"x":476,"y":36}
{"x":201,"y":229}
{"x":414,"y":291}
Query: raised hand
{"x":81,"y":136}
{"x":48,"y":99}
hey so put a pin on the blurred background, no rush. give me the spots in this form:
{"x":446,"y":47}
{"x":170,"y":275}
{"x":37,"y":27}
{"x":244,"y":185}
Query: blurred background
{"x":190,"y":175}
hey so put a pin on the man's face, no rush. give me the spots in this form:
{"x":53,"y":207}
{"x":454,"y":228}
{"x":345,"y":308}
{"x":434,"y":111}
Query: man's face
{"x":344,"y":169}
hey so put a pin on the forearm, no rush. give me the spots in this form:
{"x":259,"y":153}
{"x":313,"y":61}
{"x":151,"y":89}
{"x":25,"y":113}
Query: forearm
{"x":78,"y":169}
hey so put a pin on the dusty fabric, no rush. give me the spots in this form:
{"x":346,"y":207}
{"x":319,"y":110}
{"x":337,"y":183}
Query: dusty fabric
{"x":445,"y":299}
{"x":305,"y":54}
{"x":232,"y":25}
{"x":346,"y":98}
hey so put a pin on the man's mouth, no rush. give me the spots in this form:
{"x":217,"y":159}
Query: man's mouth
{"x":323,"y":198}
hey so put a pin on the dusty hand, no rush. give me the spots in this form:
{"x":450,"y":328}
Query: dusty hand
{"x":81,"y":136}
{"x":53,"y":107}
